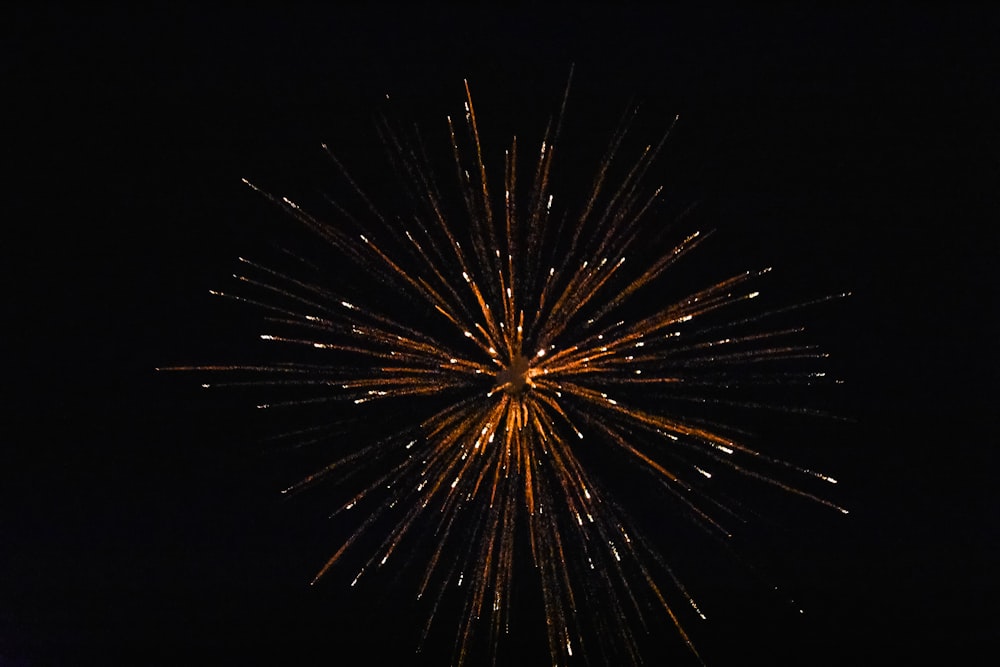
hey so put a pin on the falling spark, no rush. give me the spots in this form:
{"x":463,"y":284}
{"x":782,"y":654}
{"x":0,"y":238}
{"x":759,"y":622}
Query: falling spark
{"x":495,"y":456}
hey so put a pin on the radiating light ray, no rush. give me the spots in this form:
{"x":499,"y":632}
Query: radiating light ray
{"x":531,"y":349}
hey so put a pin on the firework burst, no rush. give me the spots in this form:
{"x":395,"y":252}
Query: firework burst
{"x":523,"y":343}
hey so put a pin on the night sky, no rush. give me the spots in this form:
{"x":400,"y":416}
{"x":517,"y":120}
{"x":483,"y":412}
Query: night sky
{"x":141,"y":519}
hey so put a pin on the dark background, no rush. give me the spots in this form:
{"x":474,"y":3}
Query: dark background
{"x":853,"y":150}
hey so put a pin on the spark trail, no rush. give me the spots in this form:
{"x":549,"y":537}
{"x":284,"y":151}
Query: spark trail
{"x":541,"y":349}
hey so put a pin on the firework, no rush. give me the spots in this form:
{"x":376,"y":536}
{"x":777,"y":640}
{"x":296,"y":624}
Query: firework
{"x":521,"y":346}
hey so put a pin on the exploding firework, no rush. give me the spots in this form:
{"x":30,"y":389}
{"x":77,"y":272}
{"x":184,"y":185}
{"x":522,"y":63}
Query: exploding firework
{"x":509,"y":325}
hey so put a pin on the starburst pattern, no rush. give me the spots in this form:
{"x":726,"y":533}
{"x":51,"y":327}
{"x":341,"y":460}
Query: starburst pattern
{"x":538,"y":349}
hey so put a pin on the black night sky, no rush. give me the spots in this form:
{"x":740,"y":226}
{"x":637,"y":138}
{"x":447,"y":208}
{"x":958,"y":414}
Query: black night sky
{"x":853,"y":150}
